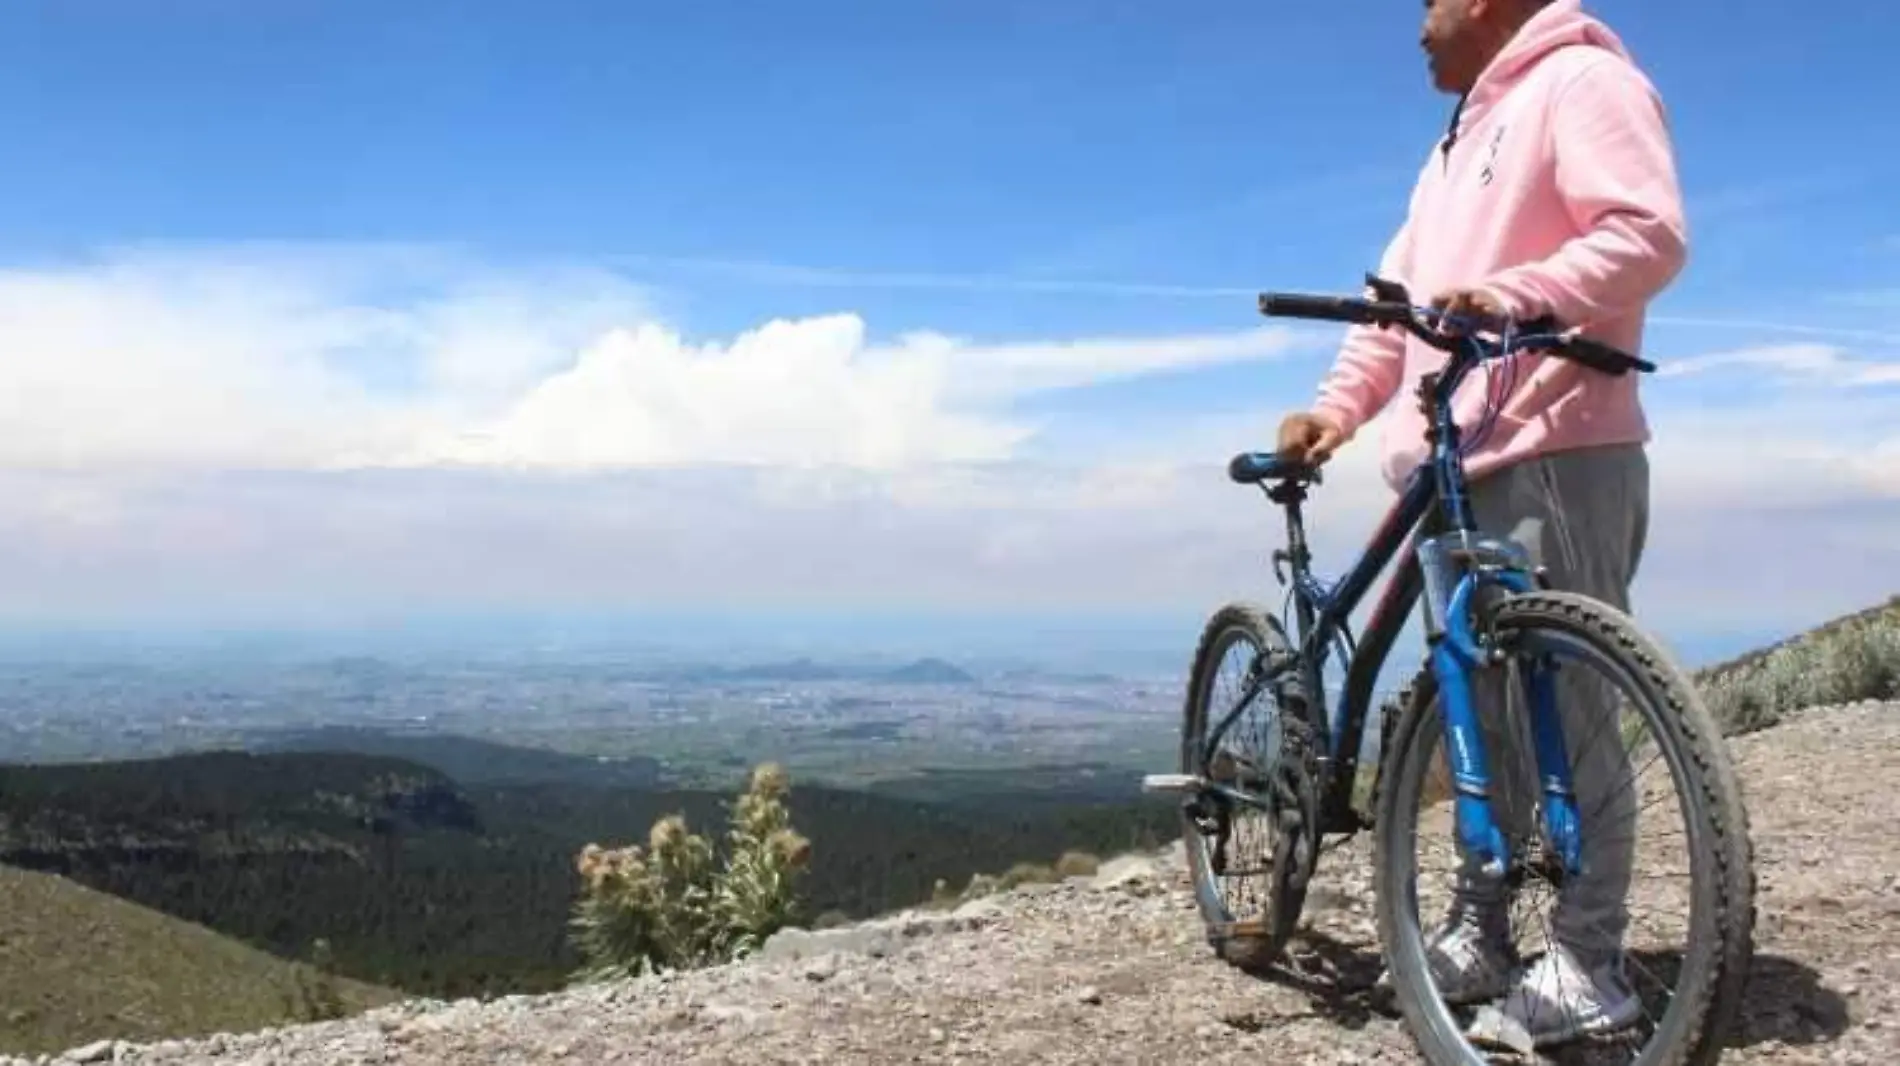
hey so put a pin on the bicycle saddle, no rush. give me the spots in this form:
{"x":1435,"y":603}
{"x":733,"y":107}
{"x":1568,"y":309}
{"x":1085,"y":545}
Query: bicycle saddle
{"x":1252,"y":468}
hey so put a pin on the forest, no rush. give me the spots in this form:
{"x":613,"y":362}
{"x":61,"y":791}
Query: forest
{"x":442,"y":887}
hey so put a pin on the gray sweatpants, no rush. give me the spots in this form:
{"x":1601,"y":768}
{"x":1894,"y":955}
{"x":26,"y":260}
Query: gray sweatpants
{"x":1584,"y":516}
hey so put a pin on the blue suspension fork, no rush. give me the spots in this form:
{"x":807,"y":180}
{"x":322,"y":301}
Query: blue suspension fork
{"x":1455,"y":653}
{"x":1553,"y":763}
{"x":1446,"y":605}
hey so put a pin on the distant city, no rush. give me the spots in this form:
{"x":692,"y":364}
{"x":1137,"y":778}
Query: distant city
{"x":662,"y":700}
{"x":838,"y":722}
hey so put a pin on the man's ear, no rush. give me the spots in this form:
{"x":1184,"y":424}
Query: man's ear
{"x":1511,"y":11}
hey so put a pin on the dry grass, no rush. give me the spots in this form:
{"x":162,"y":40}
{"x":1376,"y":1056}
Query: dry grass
{"x":78,"y":965}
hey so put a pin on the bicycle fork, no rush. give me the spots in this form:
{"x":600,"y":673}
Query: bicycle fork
{"x":1455,"y":654}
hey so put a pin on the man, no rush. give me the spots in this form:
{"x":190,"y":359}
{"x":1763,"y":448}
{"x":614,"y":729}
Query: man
{"x":1554,"y":191}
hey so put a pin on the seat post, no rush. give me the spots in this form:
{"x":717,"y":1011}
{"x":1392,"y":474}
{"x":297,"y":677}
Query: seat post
{"x":1290,"y":494}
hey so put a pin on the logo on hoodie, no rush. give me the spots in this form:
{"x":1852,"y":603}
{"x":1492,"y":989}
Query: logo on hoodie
{"x":1491,"y":156}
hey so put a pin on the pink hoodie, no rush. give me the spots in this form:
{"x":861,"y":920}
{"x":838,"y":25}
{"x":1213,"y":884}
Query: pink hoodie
{"x":1558,"y":194}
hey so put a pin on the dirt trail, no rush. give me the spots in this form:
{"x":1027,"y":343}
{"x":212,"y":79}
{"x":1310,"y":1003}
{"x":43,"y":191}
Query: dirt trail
{"x":1114,"y":970}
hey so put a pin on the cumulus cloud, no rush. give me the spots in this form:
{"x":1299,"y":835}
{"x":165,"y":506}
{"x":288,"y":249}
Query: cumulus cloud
{"x":277,"y":432}
{"x":264,"y":358}
{"x":810,"y":392}
{"x":275,"y":357}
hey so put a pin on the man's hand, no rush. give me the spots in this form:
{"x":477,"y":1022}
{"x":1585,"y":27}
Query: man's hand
{"x":1307,"y":438}
{"x":1476,"y":306}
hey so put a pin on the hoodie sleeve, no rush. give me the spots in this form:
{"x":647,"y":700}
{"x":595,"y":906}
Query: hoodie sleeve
{"x":1371,"y":361}
{"x":1616,"y":174}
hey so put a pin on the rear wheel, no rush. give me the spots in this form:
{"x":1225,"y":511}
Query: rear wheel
{"x":1659,"y":720}
{"x":1249,"y":865}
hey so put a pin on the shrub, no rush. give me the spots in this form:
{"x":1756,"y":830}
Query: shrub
{"x":1077,"y":864}
{"x":672,"y":906}
{"x":1026,"y":873}
{"x":317,"y":998}
{"x":981,"y":885}
{"x":1857,"y":660}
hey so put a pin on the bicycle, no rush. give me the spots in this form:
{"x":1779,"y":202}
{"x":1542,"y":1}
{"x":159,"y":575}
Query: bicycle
{"x":1481,"y":605}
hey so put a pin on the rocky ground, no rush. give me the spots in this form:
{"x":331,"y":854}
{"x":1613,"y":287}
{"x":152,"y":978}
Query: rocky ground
{"x":1113,"y":969}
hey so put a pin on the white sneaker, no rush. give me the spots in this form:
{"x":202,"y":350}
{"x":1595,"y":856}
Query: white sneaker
{"x":1470,"y":958}
{"x":1557,"y":1000}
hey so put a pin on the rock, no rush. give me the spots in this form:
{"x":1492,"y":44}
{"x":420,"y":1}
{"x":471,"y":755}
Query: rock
{"x":1089,"y":994}
{"x":727,"y":1012}
{"x":978,"y":911}
{"x":788,"y":944}
{"x":822,"y":968}
{"x":1128,"y":871}
{"x":97,"y":1051}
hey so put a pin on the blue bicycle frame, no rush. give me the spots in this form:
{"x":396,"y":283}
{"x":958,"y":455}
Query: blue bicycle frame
{"x":1447,"y":566}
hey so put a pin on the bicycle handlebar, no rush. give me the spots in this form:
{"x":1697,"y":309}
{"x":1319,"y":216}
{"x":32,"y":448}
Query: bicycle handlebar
{"x":1543,"y":333}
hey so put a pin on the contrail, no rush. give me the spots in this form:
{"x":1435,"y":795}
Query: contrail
{"x":832,"y":277}
{"x":790,"y":274}
{"x":1865,"y":335}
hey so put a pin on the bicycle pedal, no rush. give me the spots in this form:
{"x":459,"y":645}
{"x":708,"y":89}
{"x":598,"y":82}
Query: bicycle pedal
{"x":1177,"y":783}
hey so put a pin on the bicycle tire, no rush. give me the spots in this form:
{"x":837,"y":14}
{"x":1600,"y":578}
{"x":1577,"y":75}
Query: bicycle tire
{"x":1701,"y":1016}
{"x":1248,"y":944}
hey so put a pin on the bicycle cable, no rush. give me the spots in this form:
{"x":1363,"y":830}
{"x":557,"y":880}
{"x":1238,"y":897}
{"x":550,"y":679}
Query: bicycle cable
{"x":1494,"y":397}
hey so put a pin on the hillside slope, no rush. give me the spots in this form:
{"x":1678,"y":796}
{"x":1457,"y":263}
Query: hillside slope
{"x":1853,"y":657}
{"x":1114,"y":970}
{"x":440,"y":888}
{"x":78,"y":966}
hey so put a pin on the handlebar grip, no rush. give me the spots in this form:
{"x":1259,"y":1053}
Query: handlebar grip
{"x":1599,"y":356}
{"x":1325,"y":308}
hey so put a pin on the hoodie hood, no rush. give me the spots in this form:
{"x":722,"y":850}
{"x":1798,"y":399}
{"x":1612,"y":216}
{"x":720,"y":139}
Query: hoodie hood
{"x":1590,"y":247}
{"x":1561,"y":24}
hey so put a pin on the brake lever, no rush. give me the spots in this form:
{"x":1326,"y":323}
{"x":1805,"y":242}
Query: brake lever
{"x":1385,"y":290}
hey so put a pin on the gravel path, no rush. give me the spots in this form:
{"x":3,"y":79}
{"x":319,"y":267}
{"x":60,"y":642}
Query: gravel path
{"x":1113,"y":970}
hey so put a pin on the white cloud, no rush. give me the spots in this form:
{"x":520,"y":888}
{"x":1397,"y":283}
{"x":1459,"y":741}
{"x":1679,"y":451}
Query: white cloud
{"x":281,"y":432}
{"x":810,"y":392}
{"x":1825,"y":363}
{"x":794,"y":393}
{"x":264,"y":358}
{"x":271,"y":357}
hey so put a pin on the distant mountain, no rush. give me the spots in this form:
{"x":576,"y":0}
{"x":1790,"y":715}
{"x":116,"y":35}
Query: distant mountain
{"x":930,"y":672}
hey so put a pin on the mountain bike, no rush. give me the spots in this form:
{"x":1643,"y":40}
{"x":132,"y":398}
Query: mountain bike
{"x":1483,"y":607}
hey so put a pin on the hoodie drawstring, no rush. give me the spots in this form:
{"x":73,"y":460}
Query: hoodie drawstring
{"x":1451,"y":131}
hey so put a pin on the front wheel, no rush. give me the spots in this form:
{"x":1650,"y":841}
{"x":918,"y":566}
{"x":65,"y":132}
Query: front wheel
{"x":1249,"y":863}
{"x":1469,"y":984}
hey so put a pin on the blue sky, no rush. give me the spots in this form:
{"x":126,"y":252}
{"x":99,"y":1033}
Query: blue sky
{"x":389,"y":230}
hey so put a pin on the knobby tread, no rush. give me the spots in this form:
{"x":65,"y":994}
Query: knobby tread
{"x":1719,"y":806}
